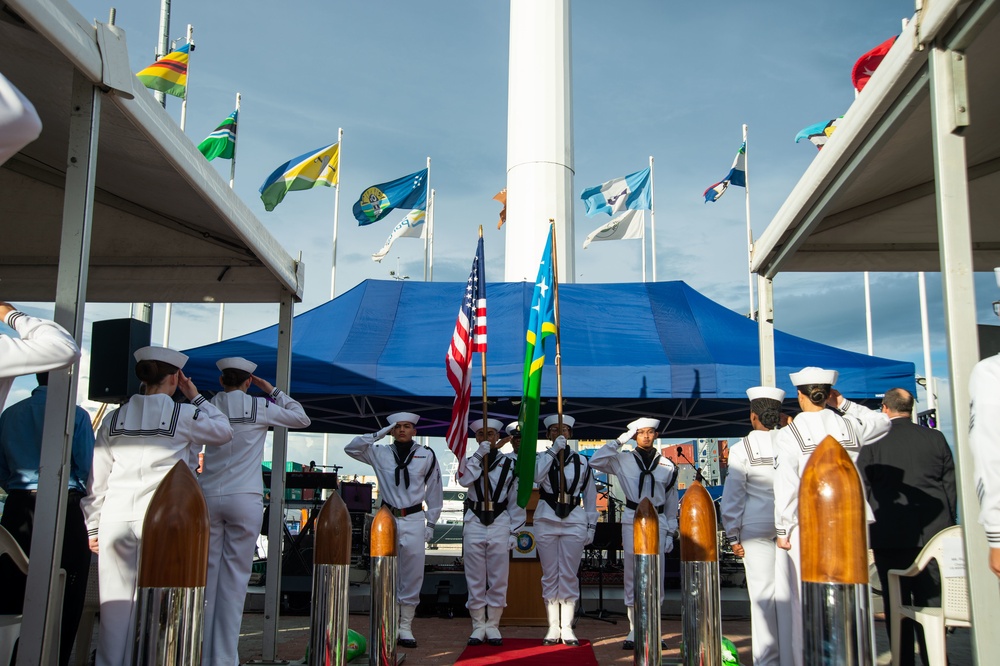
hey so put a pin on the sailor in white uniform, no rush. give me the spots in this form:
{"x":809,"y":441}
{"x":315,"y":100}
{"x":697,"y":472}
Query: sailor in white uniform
{"x":564,"y":523}
{"x":513,"y":438}
{"x":42,"y":346}
{"x":748,"y":518}
{"x":824,"y":412}
{"x":232,"y":485}
{"x":490,"y":531}
{"x":137,"y":444}
{"x":642,"y":472}
{"x":409,"y":477}
{"x":984,"y":442}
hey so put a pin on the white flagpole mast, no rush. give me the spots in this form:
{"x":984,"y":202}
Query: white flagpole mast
{"x":430,"y":218}
{"x":925,"y":334}
{"x":163,"y":45}
{"x":232,"y":184}
{"x":652,"y":218}
{"x":644,"y":250}
{"x":868,"y":314}
{"x":336,"y":213}
{"x":746,"y":176}
{"x":430,"y":233}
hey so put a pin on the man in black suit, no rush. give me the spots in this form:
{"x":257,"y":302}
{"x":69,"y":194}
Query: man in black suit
{"x":909,"y":478}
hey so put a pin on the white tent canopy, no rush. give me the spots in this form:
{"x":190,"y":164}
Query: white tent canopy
{"x":910,"y":181}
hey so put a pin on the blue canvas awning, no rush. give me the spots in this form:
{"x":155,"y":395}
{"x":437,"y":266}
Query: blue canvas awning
{"x":627,"y":349}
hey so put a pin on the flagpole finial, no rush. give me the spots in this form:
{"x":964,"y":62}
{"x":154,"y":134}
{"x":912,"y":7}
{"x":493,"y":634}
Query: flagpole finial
{"x":480,"y":231}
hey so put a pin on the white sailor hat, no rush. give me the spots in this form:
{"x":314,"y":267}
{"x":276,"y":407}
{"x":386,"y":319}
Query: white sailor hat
{"x":236,"y":363}
{"x":490,"y":423}
{"x":811,"y":375}
{"x":164,"y":354}
{"x":403,"y":417}
{"x":768,"y":392}
{"x":644,"y":422}
{"x":553,"y":419}
{"x":513,"y":429}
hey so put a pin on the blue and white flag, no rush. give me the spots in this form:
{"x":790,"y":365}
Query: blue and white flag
{"x":627,"y":225}
{"x":629,"y":193}
{"x":411,"y":226}
{"x":737,"y":176}
{"x":408,"y":192}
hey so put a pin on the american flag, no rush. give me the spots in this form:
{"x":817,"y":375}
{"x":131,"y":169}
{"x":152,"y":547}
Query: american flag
{"x":469,"y":337}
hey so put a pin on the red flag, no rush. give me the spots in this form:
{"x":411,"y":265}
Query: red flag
{"x":469,"y":337}
{"x":867,"y":64}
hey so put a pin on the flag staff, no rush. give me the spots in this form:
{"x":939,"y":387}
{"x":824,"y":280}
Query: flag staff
{"x":430,"y":235}
{"x":652,"y":218}
{"x":555,"y":317}
{"x":336,"y":214}
{"x":163,"y":45}
{"x":746,"y":189}
{"x":487,"y":503}
{"x":430,"y":218}
{"x":232,"y":184}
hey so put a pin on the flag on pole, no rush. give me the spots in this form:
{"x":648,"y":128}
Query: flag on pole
{"x":541,"y":324}
{"x":406,"y":192}
{"x":222,"y":141}
{"x":169,"y":73}
{"x":631,"y":192}
{"x":304,"y":172}
{"x":736,"y":176}
{"x":868,"y":63}
{"x":469,"y":337}
{"x":819,"y":133}
{"x":501,"y":196}
{"x":411,"y":226}
{"x":627,"y":225}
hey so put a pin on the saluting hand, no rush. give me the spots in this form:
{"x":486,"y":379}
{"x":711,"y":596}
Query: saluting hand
{"x":6,"y":309}
{"x":262,"y":384}
{"x":186,"y":386}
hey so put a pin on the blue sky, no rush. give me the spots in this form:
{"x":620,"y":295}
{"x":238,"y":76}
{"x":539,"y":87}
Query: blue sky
{"x":410,"y":80}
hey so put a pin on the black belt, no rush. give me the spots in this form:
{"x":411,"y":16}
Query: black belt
{"x":484,"y":516}
{"x":629,"y":504}
{"x":561,"y":509}
{"x":402,"y":513}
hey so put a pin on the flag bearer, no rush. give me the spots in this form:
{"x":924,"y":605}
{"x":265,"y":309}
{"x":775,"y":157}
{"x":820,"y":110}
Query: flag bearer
{"x":231,"y":483}
{"x":641,"y":473}
{"x":748,"y":518}
{"x":408,"y":478}
{"x":489,"y":534}
{"x":564,"y":524}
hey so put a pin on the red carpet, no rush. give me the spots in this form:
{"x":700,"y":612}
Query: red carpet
{"x":528,"y":652}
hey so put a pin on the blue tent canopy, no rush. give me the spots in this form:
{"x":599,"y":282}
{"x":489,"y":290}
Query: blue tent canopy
{"x":627,"y":349}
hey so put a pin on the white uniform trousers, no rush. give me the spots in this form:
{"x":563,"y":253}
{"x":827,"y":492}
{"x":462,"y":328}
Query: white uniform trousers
{"x":759,"y":562}
{"x":235,"y":523}
{"x":487,"y":562}
{"x":118,"y":569}
{"x":560,"y":549}
{"x":411,"y":551}
{"x":628,"y":545}
{"x":788,"y":604}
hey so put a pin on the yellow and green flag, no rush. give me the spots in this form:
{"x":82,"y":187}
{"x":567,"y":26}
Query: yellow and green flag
{"x":319,"y":167}
{"x":541,"y":324}
{"x":168,"y":74}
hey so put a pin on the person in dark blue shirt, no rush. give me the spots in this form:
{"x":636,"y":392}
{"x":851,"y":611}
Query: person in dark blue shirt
{"x":20,"y":451}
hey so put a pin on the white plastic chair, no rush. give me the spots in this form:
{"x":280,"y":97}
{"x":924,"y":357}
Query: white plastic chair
{"x":947,"y":548}
{"x":10,"y":625}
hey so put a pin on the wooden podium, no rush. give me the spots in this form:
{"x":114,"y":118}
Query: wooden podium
{"x":524,"y":587}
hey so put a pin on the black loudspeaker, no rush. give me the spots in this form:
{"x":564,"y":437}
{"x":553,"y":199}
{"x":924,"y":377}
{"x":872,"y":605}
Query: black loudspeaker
{"x":357,"y":496}
{"x":989,"y":340}
{"x":112,"y":364}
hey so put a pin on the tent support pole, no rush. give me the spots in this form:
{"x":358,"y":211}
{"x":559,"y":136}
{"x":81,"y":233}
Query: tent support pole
{"x":765,"y":327}
{"x":949,"y":116}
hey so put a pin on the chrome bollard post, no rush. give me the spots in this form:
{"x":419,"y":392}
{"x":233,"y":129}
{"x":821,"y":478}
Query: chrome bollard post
{"x":701,"y":607}
{"x":384,"y":611}
{"x":330,"y":584}
{"x":648,"y":564}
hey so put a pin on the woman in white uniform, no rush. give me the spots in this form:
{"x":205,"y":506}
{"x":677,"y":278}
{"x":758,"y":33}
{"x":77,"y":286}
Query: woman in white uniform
{"x":42,"y":346}
{"x":408,"y":479}
{"x":137,"y":445}
{"x":232,"y":485}
{"x":641,"y":473}
{"x":564,"y":524}
{"x":824,"y":412}
{"x":748,"y":518}
{"x":488,"y":535}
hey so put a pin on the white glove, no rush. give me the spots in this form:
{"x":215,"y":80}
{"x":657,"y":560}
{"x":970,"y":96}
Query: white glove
{"x":484,"y":448}
{"x":512,"y":542}
{"x":590,"y":536}
{"x":626,"y":436}
{"x":382,"y":433}
{"x":559,"y":443}
{"x":429,"y":533}
{"x":669,"y":545}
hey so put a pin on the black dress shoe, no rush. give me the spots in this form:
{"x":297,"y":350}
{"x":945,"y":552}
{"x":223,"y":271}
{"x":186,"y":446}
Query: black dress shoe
{"x":628,"y":645}
{"x":475,"y":641}
{"x":495,"y":642}
{"x":663,"y":644}
{"x":406,"y":642}
{"x":550,"y":641}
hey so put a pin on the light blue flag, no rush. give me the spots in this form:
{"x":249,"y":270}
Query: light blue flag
{"x":629,"y":193}
{"x":375,"y":202}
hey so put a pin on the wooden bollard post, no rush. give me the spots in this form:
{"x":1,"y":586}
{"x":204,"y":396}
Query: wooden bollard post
{"x":330,"y":584}
{"x":383,"y":620}
{"x":648,"y":564}
{"x":173,"y":567}
{"x":701,"y":609}
{"x":836,"y":615}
